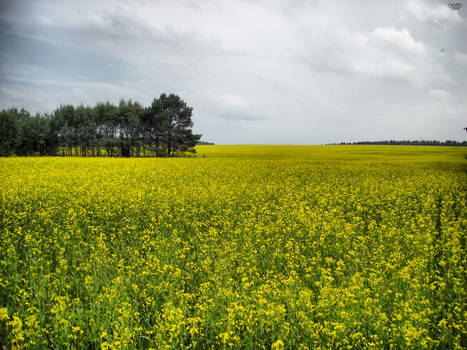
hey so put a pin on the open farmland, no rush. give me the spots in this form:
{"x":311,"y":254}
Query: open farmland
{"x":241,"y":246}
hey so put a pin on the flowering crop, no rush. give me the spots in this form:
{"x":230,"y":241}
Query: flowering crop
{"x":241,"y":247}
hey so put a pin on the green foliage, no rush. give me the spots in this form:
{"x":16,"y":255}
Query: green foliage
{"x":169,"y":119}
{"x":8,"y":132}
{"x":129,"y":129}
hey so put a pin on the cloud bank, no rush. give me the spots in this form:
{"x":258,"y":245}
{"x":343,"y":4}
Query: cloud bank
{"x":276,"y":72}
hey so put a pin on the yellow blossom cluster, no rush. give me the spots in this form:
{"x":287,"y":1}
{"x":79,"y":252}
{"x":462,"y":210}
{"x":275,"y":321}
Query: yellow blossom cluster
{"x":265,"y":247}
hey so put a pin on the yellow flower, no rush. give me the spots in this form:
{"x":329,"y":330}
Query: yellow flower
{"x":279,"y":344}
{"x":3,"y":314}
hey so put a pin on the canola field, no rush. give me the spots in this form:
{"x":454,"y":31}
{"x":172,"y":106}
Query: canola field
{"x":264,"y":247}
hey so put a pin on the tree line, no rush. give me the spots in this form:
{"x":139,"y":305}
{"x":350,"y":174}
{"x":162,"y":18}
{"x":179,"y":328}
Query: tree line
{"x":162,"y":129}
{"x":407,"y":142}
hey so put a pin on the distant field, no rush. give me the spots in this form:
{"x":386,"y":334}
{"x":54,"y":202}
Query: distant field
{"x":240,"y":247}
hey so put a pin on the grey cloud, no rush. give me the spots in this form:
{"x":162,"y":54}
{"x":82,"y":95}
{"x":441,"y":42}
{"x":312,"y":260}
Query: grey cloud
{"x":255,"y":71}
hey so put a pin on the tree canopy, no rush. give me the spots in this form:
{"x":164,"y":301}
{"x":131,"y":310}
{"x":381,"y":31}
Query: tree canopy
{"x":162,"y":129}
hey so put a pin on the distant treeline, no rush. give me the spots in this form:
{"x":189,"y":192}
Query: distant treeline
{"x":407,"y":142}
{"x":162,"y":129}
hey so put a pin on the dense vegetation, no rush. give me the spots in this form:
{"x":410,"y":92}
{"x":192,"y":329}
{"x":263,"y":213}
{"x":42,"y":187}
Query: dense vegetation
{"x":129,"y":129}
{"x":248,"y":247}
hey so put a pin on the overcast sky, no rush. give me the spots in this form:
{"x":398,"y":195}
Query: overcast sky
{"x":270,"y":72}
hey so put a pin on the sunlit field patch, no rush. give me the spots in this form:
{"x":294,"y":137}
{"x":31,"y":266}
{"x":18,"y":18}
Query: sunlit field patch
{"x":239,"y":247}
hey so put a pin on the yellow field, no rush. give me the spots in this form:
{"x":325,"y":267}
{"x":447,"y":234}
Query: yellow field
{"x":241,"y":246}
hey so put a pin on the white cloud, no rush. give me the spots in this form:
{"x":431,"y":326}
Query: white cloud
{"x":436,"y":14}
{"x":385,"y":53}
{"x":440,"y":94}
{"x":394,"y":54}
{"x":231,"y":100}
{"x":461,"y":58}
{"x":392,"y":68}
{"x":401,"y":39}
